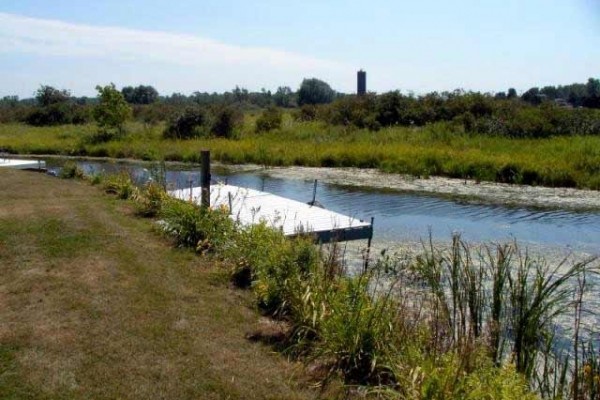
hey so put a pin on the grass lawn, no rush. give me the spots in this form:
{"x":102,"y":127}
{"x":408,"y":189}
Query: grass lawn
{"x":95,"y":304}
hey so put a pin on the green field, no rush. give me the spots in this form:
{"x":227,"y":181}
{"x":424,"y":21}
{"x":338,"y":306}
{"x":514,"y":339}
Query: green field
{"x":567,"y":161}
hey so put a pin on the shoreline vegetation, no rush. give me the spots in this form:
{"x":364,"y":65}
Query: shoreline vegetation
{"x":547,"y":136}
{"x":481,"y":322}
{"x":539,"y":197}
{"x":422,"y":152}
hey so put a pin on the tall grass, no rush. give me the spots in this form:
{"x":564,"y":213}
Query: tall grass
{"x":436,"y":149}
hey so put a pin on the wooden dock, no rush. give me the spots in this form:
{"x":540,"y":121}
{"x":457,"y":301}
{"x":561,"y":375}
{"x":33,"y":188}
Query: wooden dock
{"x":292,"y":217}
{"x":22,"y":164}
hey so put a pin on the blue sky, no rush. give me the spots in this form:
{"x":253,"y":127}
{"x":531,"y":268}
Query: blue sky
{"x":184,"y":46}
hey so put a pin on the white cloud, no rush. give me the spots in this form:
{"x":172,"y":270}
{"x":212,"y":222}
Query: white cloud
{"x":249,"y":66}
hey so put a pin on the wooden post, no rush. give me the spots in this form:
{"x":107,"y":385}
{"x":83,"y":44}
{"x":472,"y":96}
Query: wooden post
{"x":369,"y":246}
{"x":205,"y":177}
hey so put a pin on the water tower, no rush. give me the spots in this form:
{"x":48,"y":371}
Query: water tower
{"x":361,"y":84}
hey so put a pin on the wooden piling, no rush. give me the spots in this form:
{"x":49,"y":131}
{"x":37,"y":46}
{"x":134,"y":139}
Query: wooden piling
{"x":205,"y":177}
{"x":368,"y":255}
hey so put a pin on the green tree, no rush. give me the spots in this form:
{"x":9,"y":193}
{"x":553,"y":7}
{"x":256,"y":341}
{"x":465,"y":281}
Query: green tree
{"x":112,"y":110}
{"x":315,"y":91}
{"x":512,"y":93}
{"x":593,"y":87}
{"x":140,"y":94}
{"x":47,"y":95}
{"x":284,"y":97}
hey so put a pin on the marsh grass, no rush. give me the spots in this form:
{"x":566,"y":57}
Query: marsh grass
{"x":508,"y":300}
{"x":436,"y":149}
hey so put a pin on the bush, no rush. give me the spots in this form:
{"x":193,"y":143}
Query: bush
{"x":275,"y":263}
{"x":58,"y":114}
{"x":306,"y":113}
{"x":149,"y":200}
{"x":270,"y":119}
{"x":358,"y":111}
{"x":201,"y":228}
{"x":186,"y":125}
{"x":71,"y":171}
{"x":225,"y":120}
{"x":120,"y":185}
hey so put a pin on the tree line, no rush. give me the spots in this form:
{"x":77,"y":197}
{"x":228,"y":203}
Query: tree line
{"x":538,"y":112}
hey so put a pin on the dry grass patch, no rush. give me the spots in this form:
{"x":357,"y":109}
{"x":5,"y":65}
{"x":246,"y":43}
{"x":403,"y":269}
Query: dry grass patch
{"x":94,"y":304}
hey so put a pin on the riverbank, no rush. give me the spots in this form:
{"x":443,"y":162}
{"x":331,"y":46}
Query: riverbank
{"x":468,"y":190}
{"x":433,"y":150}
{"x":86,"y":313}
{"x":369,"y":338}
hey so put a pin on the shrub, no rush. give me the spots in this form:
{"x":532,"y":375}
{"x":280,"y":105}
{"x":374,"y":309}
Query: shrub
{"x":149,"y":200}
{"x":354,"y":110}
{"x":120,"y":185}
{"x":225,"y":120}
{"x":54,"y":114}
{"x":270,"y":119}
{"x":186,"y":125}
{"x":306,"y":113}
{"x":274,"y":261}
{"x":70,"y":171}
{"x":201,"y":228}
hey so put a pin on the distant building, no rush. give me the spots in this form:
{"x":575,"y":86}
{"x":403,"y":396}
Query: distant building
{"x":361,"y":84}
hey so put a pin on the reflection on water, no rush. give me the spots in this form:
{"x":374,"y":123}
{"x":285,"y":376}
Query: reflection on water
{"x":401,"y":217}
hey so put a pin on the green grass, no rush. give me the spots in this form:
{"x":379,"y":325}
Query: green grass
{"x":95,"y":304}
{"x":431,"y":150}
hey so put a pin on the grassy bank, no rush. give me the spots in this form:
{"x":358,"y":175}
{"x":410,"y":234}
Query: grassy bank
{"x":99,"y":305}
{"x":95,"y":304}
{"x":451,"y":323}
{"x":566,"y":161}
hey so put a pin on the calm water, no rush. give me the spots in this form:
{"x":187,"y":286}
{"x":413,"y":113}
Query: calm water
{"x":401,"y":217}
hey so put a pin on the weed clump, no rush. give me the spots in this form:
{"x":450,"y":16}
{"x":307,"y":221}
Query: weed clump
{"x":120,"y":185}
{"x":201,"y":228}
{"x":71,"y":171}
{"x":149,"y":199}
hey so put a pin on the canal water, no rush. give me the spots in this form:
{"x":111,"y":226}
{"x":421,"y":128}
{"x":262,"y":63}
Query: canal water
{"x":409,"y":217}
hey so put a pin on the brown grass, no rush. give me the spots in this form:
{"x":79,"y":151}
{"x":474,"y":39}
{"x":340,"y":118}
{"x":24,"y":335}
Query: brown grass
{"x":94,"y":304}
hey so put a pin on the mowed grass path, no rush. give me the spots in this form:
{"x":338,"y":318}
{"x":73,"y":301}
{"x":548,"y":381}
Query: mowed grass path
{"x":95,"y":304}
